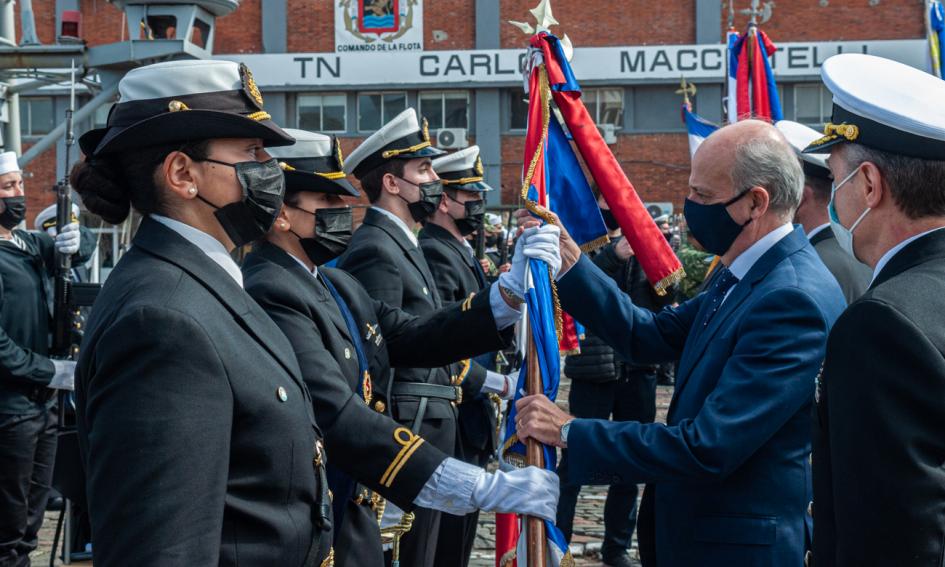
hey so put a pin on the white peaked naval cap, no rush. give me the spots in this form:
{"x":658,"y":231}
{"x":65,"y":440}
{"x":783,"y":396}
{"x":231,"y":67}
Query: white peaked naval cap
{"x":404,"y":137}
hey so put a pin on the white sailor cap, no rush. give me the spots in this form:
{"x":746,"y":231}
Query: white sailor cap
{"x":401,"y":138}
{"x":883,"y":105}
{"x":492,"y":219}
{"x":180,"y":101}
{"x":46,"y":219}
{"x":313,"y":163}
{"x":8,"y":163}
{"x":461,"y":170}
{"x":800,"y":136}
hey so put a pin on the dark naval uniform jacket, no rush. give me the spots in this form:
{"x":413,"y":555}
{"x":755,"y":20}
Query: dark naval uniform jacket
{"x":852,"y":275}
{"x":393,"y":270}
{"x":361,"y":438}
{"x":195,"y":427}
{"x":879,"y":446}
{"x":459,"y":275}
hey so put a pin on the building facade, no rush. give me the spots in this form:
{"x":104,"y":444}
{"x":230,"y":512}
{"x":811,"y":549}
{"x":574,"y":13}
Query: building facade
{"x":322,"y":66}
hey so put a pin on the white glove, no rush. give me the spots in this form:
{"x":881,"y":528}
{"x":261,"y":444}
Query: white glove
{"x":531,"y":491}
{"x":501,"y":384}
{"x":64,"y":377}
{"x":67,"y":241}
{"x":539,"y":242}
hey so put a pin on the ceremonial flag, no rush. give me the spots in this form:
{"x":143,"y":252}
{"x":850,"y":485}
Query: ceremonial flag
{"x":755,"y":93}
{"x":698,"y":127}
{"x":551,"y":79}
{"x":540,"y":312}
{"x":731,"y":102}
{"x":936,"y":35}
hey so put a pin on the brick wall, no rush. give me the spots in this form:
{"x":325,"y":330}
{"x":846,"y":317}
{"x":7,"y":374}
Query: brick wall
{"x":39,"y":178}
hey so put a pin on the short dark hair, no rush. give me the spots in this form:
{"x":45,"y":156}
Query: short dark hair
{"x":373,"y":181}
{"x":917,"y":185}
{"x":821,"y":188}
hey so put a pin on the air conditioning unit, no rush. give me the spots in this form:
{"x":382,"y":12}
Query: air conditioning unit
{"x":659,"y":209}
{"x":608,"y":132}
{"x":451,"y":138}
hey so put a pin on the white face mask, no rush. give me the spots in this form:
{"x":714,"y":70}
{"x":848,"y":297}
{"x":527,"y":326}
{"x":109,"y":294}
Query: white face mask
{"x":844,"y":235}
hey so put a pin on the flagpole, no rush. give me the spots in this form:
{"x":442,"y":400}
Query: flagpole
{"x":535,"y":527}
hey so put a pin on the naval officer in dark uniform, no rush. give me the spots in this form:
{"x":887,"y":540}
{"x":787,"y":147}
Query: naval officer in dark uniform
{"x":27,"y":403}
{"x":459,"y":275}
{"x":879,"y":483}
{"x":315,"y":305}
{"x":852,"y":275}
{"x":395,"y":171}
{"x":195,"y":427}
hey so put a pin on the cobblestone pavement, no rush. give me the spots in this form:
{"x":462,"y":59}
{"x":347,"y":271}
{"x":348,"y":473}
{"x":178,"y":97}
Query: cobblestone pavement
{"x":588,"y":521}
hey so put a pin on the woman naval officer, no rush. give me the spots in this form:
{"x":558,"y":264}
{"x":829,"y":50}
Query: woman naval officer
{"x":322,"y":308}
{"x":195,"y":427}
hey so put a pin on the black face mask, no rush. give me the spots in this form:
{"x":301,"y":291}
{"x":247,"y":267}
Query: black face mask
{"x":431,"y":193}
{"x":14,"y":211}
{"x":263,"y":191}
{"x":333,"y":229}
{"x":475,"y":216}
{"x":609,"y":221}
{"x":712,"y":225}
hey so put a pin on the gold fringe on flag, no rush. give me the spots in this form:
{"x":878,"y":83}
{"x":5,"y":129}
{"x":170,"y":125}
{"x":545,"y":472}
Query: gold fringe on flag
{"x":669,"y":281}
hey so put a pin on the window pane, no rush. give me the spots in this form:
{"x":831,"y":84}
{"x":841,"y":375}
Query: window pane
{"x":518,"y":110}
{"x":611,"y":107}
{"x":333,"y":113}
{"x":657,"y":109}
{"x":369,"y":112}
{"x":807,"y":108}
{"x":394,"y":104}
{"x":589,"y":96}
{"x":310,"y":110}
{"x":431,"y":108}
{"x":39,"y":115}
{"x":457,"y":104}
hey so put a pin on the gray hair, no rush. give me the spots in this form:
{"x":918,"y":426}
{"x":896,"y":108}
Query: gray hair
{"x":772,"y":164}
{"x":917,"y":185}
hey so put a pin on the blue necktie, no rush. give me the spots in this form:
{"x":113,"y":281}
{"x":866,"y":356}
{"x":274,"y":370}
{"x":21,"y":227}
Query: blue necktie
{"x":721,"y":283}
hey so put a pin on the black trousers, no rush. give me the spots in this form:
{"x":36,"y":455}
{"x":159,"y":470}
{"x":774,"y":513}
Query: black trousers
{"x":27,"y":455}
{"x":632,"y":397}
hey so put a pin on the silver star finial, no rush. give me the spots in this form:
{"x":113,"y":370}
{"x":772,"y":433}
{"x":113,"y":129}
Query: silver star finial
{"x":543,"y":15}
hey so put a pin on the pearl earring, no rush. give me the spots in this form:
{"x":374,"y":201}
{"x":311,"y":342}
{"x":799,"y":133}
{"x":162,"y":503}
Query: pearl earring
{"x":192,"y":190}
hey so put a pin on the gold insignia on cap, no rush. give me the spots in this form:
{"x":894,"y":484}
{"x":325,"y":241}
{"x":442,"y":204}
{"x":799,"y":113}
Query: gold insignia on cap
{"x":425,"y":129}
{"x":249,"y":86}
{"x":177,"y":106}
{"x":285,"y":166}
{"x":479,"y":168}
{"x":338,"y":155}
{"x":833,"y":131}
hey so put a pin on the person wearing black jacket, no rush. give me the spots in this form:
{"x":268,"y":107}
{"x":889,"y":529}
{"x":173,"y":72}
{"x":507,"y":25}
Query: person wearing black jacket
{"x":459,"y":275}
{"x":603,"y":386}
{"x":316,"y":305}
{"x":195,"y":427}
{"x":27,"y":402}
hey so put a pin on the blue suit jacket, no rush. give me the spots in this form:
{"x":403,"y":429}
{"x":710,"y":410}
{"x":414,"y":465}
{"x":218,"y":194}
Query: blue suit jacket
{"x":730,"y":467}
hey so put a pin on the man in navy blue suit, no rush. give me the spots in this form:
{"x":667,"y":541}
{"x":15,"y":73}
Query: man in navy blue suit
{"x":729,"y":473}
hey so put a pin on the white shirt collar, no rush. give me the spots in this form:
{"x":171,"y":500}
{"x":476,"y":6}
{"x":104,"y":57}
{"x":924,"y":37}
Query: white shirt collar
{"x":313,"y":271}
{"x":895,"y":249}
{"x":741,"y":266}
{"x":207,"y":244}
{"x":817,"y":230}
{"x":400,"y":223}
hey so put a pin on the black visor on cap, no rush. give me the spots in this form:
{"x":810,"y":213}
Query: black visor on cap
{"x":849,"y":127}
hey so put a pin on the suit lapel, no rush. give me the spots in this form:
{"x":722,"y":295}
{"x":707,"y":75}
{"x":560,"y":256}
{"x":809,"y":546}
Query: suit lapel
{"x":323,"y":299}
{"x":439,"y":233}
{"x":929,"y":247}
{"x":411,"y":250}
{"x":162,"y":242}
{"x":699,"y":337}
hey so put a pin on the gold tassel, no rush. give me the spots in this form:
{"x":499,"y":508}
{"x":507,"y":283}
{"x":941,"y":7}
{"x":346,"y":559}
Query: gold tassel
{"x":669,"y":281}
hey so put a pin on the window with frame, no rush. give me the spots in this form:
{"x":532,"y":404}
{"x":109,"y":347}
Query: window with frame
{"x":605,"y":105}
{"x":656,"y":109}
{"x":445,"y":109}
{"x":518,"y":109}
{"x":377,"y":109}
{"x":812,"y":104}
{"x":322,"y":112}
{"x":36,"y":115}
